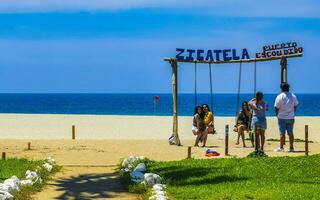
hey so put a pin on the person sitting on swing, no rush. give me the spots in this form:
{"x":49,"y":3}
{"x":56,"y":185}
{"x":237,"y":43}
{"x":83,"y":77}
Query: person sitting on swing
{"x":198,"y":126}
{"x":242,"y":122}
{"x":208,"y":120}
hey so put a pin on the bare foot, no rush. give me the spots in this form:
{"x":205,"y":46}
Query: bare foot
{"x":237,"y":143}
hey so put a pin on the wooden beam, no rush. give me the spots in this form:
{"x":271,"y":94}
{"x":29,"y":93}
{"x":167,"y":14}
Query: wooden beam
{"x":174,"y":67}
{"x":284,"y":74}
{"x":236,"y":61}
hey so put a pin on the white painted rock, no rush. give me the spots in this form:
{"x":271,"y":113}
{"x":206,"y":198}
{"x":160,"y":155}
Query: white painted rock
{"x":48,"y":167}
{"x":26,"y":182}
{"x":4,"y":195}
{"x":158,"y":197}
{"x":152,"y":179}
{"x":140,"y":167}
{"x":11,"y":185}
{"x":34,"y":176}
{"x":159,"y":187}
{"x":159,"y":192}
{"x":50,"y":160}
{"x":128,"y":162}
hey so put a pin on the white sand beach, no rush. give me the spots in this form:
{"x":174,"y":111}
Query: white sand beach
{"x":103,"y":140}
{"x":97,"y":127}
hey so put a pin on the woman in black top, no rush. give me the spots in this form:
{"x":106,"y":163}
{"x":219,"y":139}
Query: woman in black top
{"x":243,"y":122}
{"x":197,"y":124}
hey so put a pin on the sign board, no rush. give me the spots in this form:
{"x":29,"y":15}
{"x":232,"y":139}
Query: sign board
{"x":268,"y":51}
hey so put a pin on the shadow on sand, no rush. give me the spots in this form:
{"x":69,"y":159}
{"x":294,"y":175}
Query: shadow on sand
{"x":90,"y":186}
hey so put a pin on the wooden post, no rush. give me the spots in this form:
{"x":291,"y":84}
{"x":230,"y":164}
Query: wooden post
{"x":29,"y":145}
{"x":283,"y":63}
{"x":189,"y":152}
{"x":226,"y":149}
{"x":3,"y":155}
{"x":174,"y":67}
{"x":73,"y":132}
{"x":306,"y":131}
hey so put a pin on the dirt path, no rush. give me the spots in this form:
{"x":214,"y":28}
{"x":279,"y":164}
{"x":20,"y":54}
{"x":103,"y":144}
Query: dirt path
{"x":85,"y":183}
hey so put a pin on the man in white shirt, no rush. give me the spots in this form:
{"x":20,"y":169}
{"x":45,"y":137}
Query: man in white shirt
{"x":285,"y":106}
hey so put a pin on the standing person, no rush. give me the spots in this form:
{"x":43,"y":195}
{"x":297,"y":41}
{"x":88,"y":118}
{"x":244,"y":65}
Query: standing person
{"x":242,"y":122}
{"x":259,"y":122}
{"x":207,"y":122}
{"x":285,"y":105}
{"x":197,"y":125}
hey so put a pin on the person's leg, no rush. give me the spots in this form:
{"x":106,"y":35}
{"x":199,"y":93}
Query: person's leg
{"x":205,"y":136}
{"x":282,"y":130}
{"x":241,"y":129}
{"x":251,"y":135}
{"x":290,"y":124}
{"x":262,"y":137}
{"x":257,"y":138}
{"x":199,"y":134}
{"x":282,"y":140}
{"x":238,"y":139}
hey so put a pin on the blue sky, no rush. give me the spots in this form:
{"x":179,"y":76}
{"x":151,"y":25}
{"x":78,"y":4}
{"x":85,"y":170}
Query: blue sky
{"x":117,"y":47}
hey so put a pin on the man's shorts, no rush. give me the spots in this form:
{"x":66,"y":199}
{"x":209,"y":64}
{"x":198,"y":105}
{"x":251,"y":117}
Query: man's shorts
{"x":286,"y":125}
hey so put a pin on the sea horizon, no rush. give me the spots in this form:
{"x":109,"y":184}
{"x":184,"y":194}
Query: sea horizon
{"x":138,"y":104}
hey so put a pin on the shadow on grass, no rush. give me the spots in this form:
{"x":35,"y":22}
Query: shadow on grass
{"x":312,"y":182}
{"x":182,"y":176}
{"x":90,"y":186}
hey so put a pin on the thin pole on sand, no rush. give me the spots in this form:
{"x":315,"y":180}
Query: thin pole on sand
{"x":3,"y":155}
{"x":306,"y":131}
{"x":189,"y":152}
{"x":29,"y":145}
{"x":226,"y":150}
{"x":73,"y":132}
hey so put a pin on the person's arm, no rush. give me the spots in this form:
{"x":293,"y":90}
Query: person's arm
{"x":211,"y":122}
{"x":295,"y":104}
{"x":277,"y":105}
{"x":251,"y":104}
{"x":237,"y":118}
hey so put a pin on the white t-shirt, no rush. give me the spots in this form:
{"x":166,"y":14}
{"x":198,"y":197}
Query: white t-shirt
{"x":285,"y":102}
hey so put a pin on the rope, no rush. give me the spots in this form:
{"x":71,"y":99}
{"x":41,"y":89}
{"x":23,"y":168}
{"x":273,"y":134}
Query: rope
{"x":211,"y":96}
{"x":195,"y":84}
{"x":255,"y":78}
{"x":239,"y":87}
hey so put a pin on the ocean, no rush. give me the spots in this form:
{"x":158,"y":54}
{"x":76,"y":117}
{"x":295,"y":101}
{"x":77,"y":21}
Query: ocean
{"x":138,"y":104}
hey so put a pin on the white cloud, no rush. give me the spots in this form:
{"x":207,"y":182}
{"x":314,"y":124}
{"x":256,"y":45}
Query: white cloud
{"x":246,"y":8}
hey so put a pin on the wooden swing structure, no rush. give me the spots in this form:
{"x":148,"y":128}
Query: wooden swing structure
{"x":174,"y":65}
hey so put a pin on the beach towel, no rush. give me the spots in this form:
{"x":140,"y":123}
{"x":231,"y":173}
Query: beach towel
{"x":211,"y":153}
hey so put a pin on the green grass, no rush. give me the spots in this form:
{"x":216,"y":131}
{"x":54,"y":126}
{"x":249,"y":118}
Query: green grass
{"x":278,"y":140}
{"x":242,"y":178}
{"x":18,"y":167}
{"x":295,"y":140}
